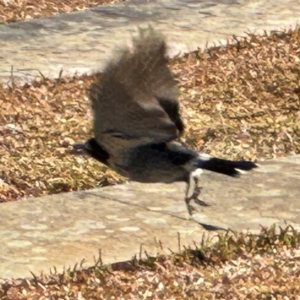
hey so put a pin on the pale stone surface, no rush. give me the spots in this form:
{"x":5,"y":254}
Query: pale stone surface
{"x":60,"y":230}
{"x":82,"y":42}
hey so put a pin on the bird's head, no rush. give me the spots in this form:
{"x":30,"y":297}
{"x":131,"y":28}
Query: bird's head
{"x":91,"y":148}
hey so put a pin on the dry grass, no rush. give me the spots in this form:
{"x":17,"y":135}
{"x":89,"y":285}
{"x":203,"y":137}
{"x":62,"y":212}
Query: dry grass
{"x":243,"y":100}
{"x":238,"y":266}
{"x":25,"y":10}
{"x":238,"y":101}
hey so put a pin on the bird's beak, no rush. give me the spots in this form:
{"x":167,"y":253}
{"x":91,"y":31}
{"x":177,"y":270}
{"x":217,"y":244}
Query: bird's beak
{"x":78,"y":149}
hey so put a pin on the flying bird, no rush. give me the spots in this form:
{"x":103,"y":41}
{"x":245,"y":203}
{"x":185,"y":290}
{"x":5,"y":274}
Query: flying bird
{"x":136,"y":121}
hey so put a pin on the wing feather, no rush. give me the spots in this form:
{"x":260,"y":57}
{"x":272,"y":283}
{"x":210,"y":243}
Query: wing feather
{"x":134,"y":100}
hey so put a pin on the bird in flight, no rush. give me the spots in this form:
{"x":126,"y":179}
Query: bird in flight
{"x":137,"y":120}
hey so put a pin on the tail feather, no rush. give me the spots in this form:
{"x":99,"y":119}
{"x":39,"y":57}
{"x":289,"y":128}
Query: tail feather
{"x":226,"y":167}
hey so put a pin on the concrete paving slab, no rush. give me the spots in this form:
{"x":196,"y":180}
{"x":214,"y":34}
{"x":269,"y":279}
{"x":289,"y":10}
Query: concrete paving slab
{"x":61,"y":230}
{"x":82,"y":42}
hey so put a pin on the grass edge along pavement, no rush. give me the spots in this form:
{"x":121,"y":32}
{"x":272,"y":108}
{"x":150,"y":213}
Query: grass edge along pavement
{"x":240,"y":101}
{"x":236,"y":265}
{"x":15,"y":10}
{"x":226,"y":253}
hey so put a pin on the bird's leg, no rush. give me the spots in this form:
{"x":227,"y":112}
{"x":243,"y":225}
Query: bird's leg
{"x":193,"y":180}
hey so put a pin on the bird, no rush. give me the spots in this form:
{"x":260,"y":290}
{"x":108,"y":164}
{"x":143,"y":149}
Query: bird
{"x":137,"y":122}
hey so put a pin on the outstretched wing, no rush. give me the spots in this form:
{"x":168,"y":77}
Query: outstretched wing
{"x":134,"y":100}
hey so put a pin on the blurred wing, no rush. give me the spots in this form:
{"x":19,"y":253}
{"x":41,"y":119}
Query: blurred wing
{"x":134,"y":101}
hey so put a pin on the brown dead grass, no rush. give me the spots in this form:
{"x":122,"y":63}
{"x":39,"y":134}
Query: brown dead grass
{"x":25,"y":10}
{"x":243,"y":100}
{"x":238,"y":266}
{"x":238,"y":101}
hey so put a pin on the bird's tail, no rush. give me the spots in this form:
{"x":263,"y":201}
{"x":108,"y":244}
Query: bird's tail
{"x":223,"y":166}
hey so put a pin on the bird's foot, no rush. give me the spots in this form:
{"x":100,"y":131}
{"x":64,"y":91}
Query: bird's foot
{"x":195,"y":196}
{"x":193,"y":185}
{"x":189,"y":207}
{"x":201,"y":202}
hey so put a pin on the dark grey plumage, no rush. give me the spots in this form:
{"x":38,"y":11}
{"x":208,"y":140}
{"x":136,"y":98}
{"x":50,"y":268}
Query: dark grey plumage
{"x":137,"y":119}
